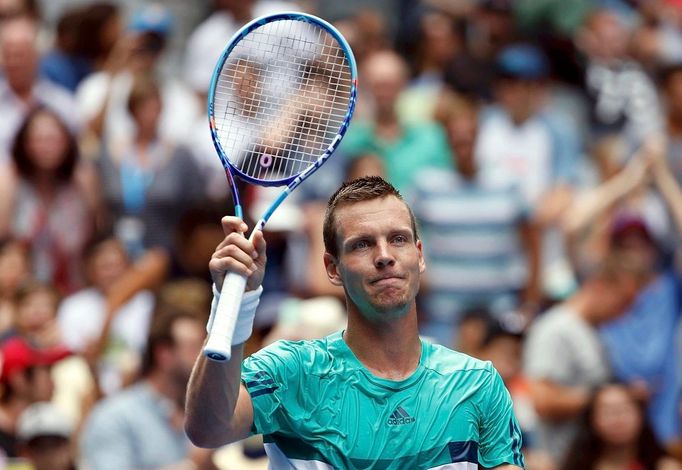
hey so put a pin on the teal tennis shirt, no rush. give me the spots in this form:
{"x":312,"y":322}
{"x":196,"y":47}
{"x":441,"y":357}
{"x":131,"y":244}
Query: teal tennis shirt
{"x":318,"y":407}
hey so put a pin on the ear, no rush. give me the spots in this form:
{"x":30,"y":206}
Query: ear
{"x":332,"y":268}
{"x":422,"y":261}
{"x":164,"y":356}
{"x":584,"y":40}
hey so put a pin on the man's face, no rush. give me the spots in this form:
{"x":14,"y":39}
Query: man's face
{"x":188,"y":337}
{"x":18,"y":53}
{"x":616,"y":296}
{"x":379,"y":262}
{"x":50,"y":453}
{"x":107,"y":264}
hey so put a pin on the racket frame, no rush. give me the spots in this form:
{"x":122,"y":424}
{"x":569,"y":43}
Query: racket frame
{"x":213,"y":349}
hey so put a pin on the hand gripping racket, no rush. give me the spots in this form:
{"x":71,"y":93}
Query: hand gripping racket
{"x":281,"y":98}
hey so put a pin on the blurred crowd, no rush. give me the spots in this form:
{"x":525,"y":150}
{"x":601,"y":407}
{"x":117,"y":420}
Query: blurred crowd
{"x":539,"y":143}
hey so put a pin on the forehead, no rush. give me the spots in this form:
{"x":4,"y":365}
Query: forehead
{"x":374,"y":215}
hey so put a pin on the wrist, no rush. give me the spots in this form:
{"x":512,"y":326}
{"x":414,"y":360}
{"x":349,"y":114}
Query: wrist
{"x":247,"y":312}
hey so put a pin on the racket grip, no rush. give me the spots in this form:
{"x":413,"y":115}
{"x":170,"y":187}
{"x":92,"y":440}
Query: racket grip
{"x":218,"y":347}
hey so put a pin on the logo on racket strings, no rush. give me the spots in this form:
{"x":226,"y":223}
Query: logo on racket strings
{"x":266,"y":160}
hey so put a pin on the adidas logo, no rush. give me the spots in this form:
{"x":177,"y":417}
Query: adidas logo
{"x":399,"y":416}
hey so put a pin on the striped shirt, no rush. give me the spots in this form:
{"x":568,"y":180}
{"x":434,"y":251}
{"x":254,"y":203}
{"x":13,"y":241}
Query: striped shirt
{"x":471,"y":240}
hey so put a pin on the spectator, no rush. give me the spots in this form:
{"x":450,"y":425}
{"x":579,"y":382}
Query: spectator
{"x":440,"y":43}
{"x":25,"y":380}
{"x":614,"y":433}
{"x":521,"y":138}
{"x":44,"y":434}
{"x":622,"y":98}
{"x":642,"y":344}
{"x":48,"y":197}
{"x":402,"y":147}
{"x":671,"y":86}
{"x":103,"y":96}
{"x":84,"y":316}
{"x":588,"y":220}
{"x":482,"y":247}
{"x":502,"y":344}
{"x":563,"y":355}
{"x":141,"y":427}
{"x":150,"y":182}
{"x":85,"y":37}
{"x":622,"y":216}
{"x":226,"y":18}
{"x":15,"y":270}
{"x":36,"y":317}
{"x":21,"y":89}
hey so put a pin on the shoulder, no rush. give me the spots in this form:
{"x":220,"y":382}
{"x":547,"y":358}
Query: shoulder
{"x":83,"y":300}
{"x":553,"y":320}
{"x":119,"y":408}
{"x":445,"y":361}
{"x":314,"y":356}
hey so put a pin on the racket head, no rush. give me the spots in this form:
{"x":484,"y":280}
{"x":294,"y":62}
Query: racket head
{"x":281,"y":98}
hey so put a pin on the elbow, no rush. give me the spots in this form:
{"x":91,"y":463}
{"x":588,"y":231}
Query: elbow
{"x":205,"y":438}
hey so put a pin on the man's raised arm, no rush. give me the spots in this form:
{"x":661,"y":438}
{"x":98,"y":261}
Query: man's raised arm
{"x":218,"y":408}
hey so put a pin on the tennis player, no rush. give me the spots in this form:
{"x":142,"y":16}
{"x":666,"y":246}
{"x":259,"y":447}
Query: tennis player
{"x":372,"y":396}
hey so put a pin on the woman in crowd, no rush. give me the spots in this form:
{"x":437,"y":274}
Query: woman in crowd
{"x":48,"y":198}
{"x":614,"y":435}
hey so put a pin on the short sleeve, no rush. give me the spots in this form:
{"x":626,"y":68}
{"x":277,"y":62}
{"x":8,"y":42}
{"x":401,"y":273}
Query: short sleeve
{"x":544,"y":356}
{"x":105,"y":443}
{"x":271,"y":377}
{"x":500,"y":435}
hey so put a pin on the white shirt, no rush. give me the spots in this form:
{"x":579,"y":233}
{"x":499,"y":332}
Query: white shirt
{"x":207,"y":41}
{"x":522,"y":152}
{"x":179,"y":112}
{"x":81,"y":318}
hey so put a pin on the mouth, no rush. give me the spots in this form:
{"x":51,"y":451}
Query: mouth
{"x":386,"y":279}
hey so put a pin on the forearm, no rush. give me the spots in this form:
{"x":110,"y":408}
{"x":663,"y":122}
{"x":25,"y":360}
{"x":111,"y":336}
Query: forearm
{"x":212,"y":395}
{"x":585,"y":209}
{"x":672,"y":193}
{"x":530,"y":234}
{"x":557,"y":402}
{"x":149,"y":272}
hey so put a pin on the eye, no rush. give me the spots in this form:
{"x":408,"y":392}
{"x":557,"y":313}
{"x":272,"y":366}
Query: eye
{"x":360,"y":245}
{"x":400,"y":239}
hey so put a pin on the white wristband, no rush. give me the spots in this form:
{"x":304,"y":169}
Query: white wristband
{"x":247,"y":312}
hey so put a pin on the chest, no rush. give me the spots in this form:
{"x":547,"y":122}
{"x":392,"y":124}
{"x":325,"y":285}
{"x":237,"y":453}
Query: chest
{"x":417,"y":426}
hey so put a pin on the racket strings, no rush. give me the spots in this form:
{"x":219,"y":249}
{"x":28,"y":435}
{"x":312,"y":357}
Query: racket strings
{"x":281,"y":99}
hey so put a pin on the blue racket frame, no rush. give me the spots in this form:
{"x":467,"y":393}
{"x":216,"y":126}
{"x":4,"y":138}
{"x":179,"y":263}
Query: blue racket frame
{"x":294,"y":181}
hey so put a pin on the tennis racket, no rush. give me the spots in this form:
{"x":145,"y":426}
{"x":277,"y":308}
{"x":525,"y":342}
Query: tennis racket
{"x":281,"y":98}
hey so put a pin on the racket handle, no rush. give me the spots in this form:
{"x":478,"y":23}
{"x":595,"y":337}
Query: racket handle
{"x":219,"y":344}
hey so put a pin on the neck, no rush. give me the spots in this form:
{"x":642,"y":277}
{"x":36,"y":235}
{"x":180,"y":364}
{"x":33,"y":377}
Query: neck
{"x":621,"y":455}
{"x":44,"y":184}
{"x":385,"y":117}
{"x":580,"y":304}
{"x":23,"y":92}
{"x":675,"y":125}
{"x":390,"y":349}
{"x":164,"y":386}
{"x":145,"y":138}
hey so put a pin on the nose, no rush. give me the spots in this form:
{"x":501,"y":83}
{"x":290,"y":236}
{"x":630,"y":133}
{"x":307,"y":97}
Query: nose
{"x":383,"y":257}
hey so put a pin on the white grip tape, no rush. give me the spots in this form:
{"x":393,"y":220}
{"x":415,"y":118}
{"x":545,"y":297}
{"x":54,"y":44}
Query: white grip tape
{"x":231,"y":320}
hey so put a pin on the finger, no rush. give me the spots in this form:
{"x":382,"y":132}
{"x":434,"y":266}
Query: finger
{"x":229,"y":264}
{"x":260,"y":246}
{"x":236,"y":253}
{"x":232,"y":224}
{"x":238,"y":240}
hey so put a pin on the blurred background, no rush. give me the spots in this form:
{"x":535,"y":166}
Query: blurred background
{"x":539,"y":143}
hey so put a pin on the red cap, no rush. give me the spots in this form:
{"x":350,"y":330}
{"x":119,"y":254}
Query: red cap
{"x":18,"y":355}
